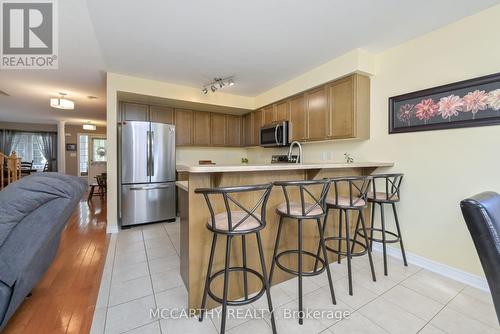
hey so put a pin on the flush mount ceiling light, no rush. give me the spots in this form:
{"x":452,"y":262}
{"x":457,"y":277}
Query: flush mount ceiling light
{"x":89,"y":126}
{"x":218,"y":83}
{"x":62,"y":103}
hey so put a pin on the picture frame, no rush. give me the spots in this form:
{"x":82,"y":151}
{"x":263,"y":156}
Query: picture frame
{"x":71,"y":147}
{"x":468,"y":103}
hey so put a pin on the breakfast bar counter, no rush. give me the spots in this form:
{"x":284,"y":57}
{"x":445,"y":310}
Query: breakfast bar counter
{"x":196,"y":239}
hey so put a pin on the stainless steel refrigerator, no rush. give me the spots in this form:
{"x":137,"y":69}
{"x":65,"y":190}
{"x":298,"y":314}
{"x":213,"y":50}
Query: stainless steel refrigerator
{"x":147,"y":171}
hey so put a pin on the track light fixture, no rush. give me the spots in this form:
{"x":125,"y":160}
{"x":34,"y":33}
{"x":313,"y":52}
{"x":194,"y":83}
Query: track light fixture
{"x":218,"y":83}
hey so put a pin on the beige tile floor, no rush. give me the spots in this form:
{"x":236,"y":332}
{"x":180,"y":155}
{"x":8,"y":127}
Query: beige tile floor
{"x":142,"y":272}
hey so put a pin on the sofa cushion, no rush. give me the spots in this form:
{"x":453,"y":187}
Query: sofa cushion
{"x":21,"y":198}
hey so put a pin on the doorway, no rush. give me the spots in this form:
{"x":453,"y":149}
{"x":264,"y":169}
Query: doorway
{"x":97,"y":156}
{"x":92,"y":155}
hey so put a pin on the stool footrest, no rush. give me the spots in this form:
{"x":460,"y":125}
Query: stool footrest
{"x":238,"y":302}
{"x":389,"y":241}
{"x":304,"y":273}
{"x":336,"y":251}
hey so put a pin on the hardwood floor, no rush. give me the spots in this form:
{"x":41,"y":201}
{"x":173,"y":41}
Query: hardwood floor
{"x":64,"y":300}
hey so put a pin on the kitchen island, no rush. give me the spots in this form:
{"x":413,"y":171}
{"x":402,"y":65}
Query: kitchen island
{"x":196,"y":239}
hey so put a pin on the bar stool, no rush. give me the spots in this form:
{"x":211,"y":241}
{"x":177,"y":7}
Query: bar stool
{"x":355,"y":200}
{"x":303,"y":210}
{"x":391,"y":184}
{"x":236,"y":223}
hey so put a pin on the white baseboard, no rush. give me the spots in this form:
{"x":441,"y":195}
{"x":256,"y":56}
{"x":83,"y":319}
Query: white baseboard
{"x":437,"y":267}
{"x":112,"y":229}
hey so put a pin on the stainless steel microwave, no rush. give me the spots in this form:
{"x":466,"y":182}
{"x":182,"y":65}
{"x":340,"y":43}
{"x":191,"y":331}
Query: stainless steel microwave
{"x":275,"y":134}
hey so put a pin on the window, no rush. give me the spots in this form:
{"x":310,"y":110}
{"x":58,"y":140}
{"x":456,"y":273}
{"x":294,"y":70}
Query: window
{"x":27,"y":148}
{"x":84,"y":155}
{"x":99,"y":149}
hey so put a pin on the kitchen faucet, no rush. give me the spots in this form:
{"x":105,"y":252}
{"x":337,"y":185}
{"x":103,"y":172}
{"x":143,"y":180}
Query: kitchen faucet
{"x":290,"y":149}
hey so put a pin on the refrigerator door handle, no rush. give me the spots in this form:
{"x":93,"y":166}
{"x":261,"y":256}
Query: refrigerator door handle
{"x":152,"y":158}
{"x":148,"y":150}
{"x":151,"y":187}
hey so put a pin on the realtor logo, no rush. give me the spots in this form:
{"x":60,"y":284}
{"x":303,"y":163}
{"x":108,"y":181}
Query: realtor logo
{"x":29,"y":34}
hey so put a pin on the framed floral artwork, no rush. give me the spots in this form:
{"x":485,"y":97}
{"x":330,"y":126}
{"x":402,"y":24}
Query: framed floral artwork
{"x":474,"y":102}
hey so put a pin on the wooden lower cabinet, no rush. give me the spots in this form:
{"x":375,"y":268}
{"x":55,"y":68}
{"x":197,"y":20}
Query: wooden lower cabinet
{"x":201,"y":128}
{"x":218,"y":129}
{"x":183,"y":127}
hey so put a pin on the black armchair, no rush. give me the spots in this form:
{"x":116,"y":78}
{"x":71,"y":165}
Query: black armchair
{"x":482,"y":216}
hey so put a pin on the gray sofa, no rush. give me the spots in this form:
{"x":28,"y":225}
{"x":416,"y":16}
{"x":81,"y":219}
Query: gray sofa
{"x":33,"y":213}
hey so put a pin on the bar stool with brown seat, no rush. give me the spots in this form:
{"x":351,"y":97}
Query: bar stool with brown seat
{"x":349,"y":194}
{"x":236,"y":223}
{"x":387,"y":192}
{"x":300,"y":211}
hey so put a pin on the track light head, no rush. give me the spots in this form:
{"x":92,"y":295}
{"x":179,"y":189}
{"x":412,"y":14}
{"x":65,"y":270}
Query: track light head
{"x":218,"y":83}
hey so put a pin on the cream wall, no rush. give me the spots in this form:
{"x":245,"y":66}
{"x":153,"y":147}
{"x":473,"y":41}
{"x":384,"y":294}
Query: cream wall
{"x":441,"y":167}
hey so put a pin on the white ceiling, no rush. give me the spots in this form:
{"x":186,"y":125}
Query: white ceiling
{"x":262,"y":43}
{"x":81,"y":73}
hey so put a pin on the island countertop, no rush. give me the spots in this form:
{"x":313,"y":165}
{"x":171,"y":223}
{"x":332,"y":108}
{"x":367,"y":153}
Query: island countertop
{"x":277,"y":166}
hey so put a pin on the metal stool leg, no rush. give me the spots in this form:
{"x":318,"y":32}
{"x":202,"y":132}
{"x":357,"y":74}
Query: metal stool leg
{"x":356,"y":232}
{"x":339,"y":243}
{"x":245,"y":275}
{"x":348,"y":249}
{"x":226,"y":284}
{"x":266,"y":281}
{"x":372,"y":220}
{"x":322,"y":243}
{"x":384,"y":246}
{"x":276,"y":246}
{"x":209,"y":272}
{"x":301,"y":320}
{"x":399,"y":234}
{"x":319,"y":244}
{"x":368,"y":250}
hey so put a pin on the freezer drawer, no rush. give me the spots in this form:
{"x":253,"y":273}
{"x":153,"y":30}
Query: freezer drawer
{"x":147,"y":203}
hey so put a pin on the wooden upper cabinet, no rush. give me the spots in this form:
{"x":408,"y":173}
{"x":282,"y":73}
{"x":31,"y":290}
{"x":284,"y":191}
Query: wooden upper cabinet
{"x":298,"y":117}
{"x":201,"y":132}
{"x":161,"y":114}
{"x":269,"y":114}
{"x":134,"y":112}
{"x":183,"y":127}
{"x":247,"y":129}
{"x":341,"y":101}
{"x":349,"y":104}
{"x":233,"y":130}
{"x":258,"y":121}
{"x":218,"y":129}
{"x":317,"y":114}
{"x":283,"y":111}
